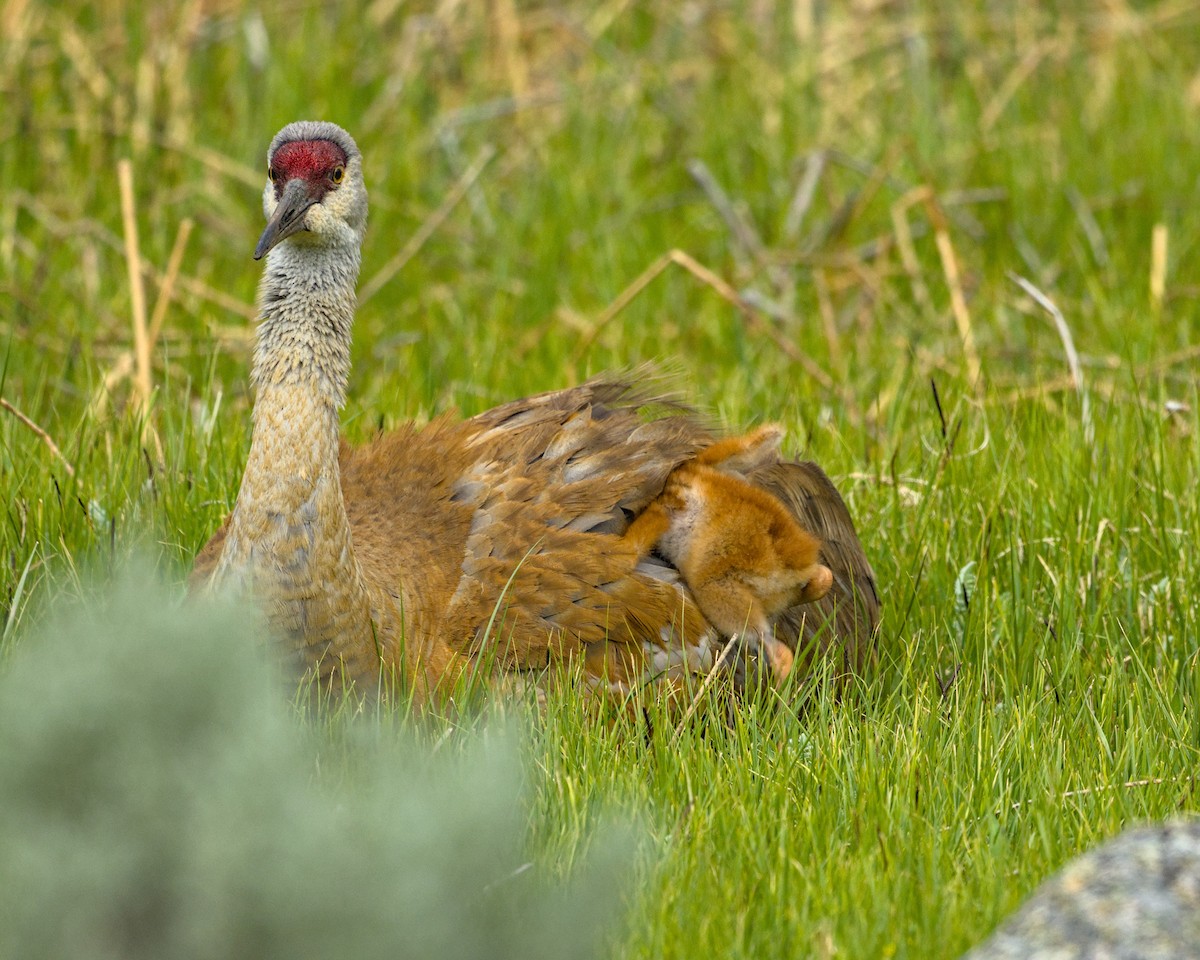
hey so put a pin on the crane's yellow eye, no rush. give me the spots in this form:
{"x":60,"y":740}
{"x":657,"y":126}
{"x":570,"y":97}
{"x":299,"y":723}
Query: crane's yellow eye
{"x":272,"y":174}
{"x":338,"y":175}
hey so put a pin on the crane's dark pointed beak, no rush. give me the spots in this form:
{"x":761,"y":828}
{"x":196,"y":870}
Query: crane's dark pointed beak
{"x":288,"y":217}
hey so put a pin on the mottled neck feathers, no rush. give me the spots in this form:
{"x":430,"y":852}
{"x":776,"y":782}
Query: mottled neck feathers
{"x":308,"y":305}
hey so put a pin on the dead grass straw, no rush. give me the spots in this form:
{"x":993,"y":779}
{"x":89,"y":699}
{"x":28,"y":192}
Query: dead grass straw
{"x":40,"y":433}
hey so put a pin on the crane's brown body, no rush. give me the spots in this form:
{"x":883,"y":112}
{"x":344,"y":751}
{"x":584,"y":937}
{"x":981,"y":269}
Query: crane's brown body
{"x":496,"y":538}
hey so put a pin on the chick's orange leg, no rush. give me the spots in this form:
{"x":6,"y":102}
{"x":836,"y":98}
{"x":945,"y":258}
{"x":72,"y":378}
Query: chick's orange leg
{"x":647,"y":528}
{"x":820,"y":580}
{"x":734,"y":609}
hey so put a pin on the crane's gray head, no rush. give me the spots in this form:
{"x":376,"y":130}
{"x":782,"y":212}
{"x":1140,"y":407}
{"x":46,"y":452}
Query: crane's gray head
{"x":314,"y":194}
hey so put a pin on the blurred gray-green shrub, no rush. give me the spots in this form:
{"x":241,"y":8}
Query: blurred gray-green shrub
{"x":159,"y":798}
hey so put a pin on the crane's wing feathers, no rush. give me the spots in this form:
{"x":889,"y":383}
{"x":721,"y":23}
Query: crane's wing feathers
{"x":520,"y":511}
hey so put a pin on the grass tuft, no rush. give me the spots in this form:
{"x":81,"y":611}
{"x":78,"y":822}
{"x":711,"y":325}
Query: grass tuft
{"x":161,"y":800}
{"x":819,"y":210}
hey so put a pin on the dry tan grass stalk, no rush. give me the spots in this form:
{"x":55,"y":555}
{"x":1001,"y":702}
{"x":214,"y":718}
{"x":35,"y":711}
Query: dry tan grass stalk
{"x":98,"y":404}
{"x":806,"y":190}
{"x":203,"y":291}
{"x":15,"y":23}
{"x":219,"y":163}
{"x":1158,"y":265}
{"x":709,"y":679}
{"x":622,"y":300}
{"x":1013,"y":82}
{"x":1162,"y":14}
{"x":844,"y":42}
{"x":432,"y":222}
{"x":749,"y":249}
{"x":804,"y":20}
{"x":746,"y":238}
{"x":42,"y":434}
{"x":1066,"y":383}
{"x":877,"y":176}
{"x":508,"y":37}
{"x":1038,"y":390}
{"x":8,"y":234}
{"x":91,"y":127}
{"x":828,"y":319}
{"x":145,"y":87}
{"x":1165,"y":362}
{"x":752,"y":320}
{"x":176,"y":55}
{"x":1068,"y":342}
{"x":137,"y":290}
{"x":1127,"y":785}
{"x":870,"y":272}
{"x":80,"y":52}
{"x":122,"y":366}
{"x":603,"y":17}
{"x":958,"y":302}
{"x":167,"y":287}
{"x":63,"y":229}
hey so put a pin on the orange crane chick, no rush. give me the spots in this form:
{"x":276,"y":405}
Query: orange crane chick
{"x":741,"y":552}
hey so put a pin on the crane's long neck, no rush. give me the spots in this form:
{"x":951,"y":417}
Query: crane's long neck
{"x":289,"y":539}
{"x":307,"y":311}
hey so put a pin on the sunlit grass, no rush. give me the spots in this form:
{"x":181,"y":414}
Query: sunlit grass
{"x":1039,"y":650}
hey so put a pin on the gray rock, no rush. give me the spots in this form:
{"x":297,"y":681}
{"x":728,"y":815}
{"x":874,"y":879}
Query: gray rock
{"x":1137,"y":897}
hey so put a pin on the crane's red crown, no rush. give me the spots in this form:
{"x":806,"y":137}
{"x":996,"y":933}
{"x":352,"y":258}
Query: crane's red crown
{"x":313,"y":160}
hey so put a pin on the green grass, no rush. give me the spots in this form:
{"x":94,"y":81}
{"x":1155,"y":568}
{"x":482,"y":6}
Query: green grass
{"x":999,"y":732}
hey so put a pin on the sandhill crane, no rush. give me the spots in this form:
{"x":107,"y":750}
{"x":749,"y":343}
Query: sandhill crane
{"x":500,"y":536}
